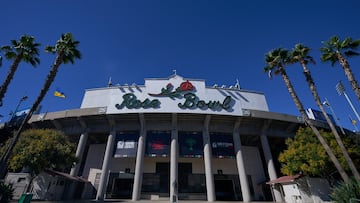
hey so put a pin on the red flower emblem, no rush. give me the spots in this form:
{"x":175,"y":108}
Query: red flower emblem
{"x":169,"y":85}
{"x":185,"y":86}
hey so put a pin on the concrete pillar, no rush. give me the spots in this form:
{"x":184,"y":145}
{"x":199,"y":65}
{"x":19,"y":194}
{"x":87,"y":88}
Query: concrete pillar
{"x":79,"y":153}
{"x":245,"y":190}
{"x":105,"y":167}
{"x":139,"y":160}
{"x":270,"y":165}
{"x":209,"y":175}
{"x":174,"y":161}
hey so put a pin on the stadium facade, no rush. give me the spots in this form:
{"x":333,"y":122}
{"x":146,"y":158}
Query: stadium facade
{"x":175,"y":138}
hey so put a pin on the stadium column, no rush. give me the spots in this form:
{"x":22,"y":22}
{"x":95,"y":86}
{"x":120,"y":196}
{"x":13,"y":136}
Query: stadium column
{"x":269,"y":160}
{"x":209,"y":177}
{"x":105,"y":166}
{"x":79,"y":153}
{"x":245,"y":190}
{"x":174,"y":160}
{"x":139,"y":160}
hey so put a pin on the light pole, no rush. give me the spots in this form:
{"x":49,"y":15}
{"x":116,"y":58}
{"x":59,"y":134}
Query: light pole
{"x":341,"y":90}
{"x":17,"y":107}
{"x":3,"y":163}
{"x":337,"y":120}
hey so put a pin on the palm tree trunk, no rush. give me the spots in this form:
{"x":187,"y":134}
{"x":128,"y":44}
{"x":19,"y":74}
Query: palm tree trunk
{"x":50,"y":78}
{"x":9,"y":77}
{"x":301,"y":109}
{"x":350,"y":76}
{"x":315,"y":94}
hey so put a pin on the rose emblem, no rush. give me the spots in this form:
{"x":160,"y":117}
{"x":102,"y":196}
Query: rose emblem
{"x":186,"y":86}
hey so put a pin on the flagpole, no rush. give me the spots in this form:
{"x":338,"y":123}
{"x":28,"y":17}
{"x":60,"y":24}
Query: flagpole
{"x":354,"y":123}
{"x":337,"y":120}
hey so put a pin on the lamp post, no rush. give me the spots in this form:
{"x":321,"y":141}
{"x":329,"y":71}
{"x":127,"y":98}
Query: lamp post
{"x":337,"y":120}
{"x":3,"y":163}
{"x":341,"y":91}
{"x":17,"y":107}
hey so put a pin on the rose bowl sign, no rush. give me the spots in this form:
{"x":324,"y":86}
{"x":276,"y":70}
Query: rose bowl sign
{"x":174,"y":94}
{"x":185,"y":93}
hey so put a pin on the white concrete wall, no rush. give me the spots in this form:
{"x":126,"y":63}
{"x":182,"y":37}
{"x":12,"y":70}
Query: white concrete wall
{"x":228,"y":166}
{"x":43,"y":186}
{"x":314,"y":189}
{"x":47,"y":187}
{"x":292,"y":193}
{"x":94,"y":158}
{"x":254,"y":167}
{"x":19,"y":181}
{"x":120,"y":164}
{"x":319,"y":188}
{"x":198,"y":166}
{"x":92,"y":175}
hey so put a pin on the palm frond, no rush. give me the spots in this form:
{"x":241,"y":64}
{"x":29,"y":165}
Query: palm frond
{"x":50,"y":49}
{"x":345,"y":43}
{"x":10,"y":55}
{"x":351,"y":53}
{"x":354,"y":44}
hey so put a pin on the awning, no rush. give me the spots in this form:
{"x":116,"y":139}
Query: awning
{"x":65,"y":175}
{"x":284,"y":179}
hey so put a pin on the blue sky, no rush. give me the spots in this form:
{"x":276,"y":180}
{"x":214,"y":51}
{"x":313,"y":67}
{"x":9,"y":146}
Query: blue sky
{"x":218,"y":41}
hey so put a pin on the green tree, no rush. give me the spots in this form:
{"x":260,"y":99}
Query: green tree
{"x":23,"y":50}
{"x":305,"y":154}
{"x":39,"y":149}
{"x":300,"y":54}
{"x":276,"y":61}
{"x":336,"y":50}
{"x":66,"y":50}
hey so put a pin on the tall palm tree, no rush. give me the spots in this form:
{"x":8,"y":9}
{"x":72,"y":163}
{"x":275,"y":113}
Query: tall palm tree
{"x":23,"y":50}
{"x":300,"y":54}
{"x":276,"y":60}
{"x":336,"y":50}
{"x":66,"y":50}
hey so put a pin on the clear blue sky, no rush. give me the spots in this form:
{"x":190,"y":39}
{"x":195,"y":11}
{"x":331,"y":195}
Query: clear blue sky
{"x":219,"y":41}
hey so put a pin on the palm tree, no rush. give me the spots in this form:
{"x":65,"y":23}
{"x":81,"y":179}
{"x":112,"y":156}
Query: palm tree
{"x":300,"y":54}
{"x":66,"y":49}
{"x":23,"y":50}
{"x":336,"y":50}
{"x":276,"y":60}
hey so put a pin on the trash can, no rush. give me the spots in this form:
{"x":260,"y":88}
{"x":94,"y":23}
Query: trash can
{"x":25,"y":198}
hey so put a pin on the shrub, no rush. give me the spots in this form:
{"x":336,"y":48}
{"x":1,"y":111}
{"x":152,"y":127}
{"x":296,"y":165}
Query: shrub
{"x":343,"y":192}
{"x":6,"y":192}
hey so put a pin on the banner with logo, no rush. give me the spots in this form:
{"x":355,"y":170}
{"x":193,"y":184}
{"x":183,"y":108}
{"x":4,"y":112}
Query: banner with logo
{"x":126,"y":144}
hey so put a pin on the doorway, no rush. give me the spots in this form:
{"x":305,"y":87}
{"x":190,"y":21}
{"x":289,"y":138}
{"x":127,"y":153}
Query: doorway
{"x":163,"y":170}
{"x":122,"y":188}
{"x":224,"y":190}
